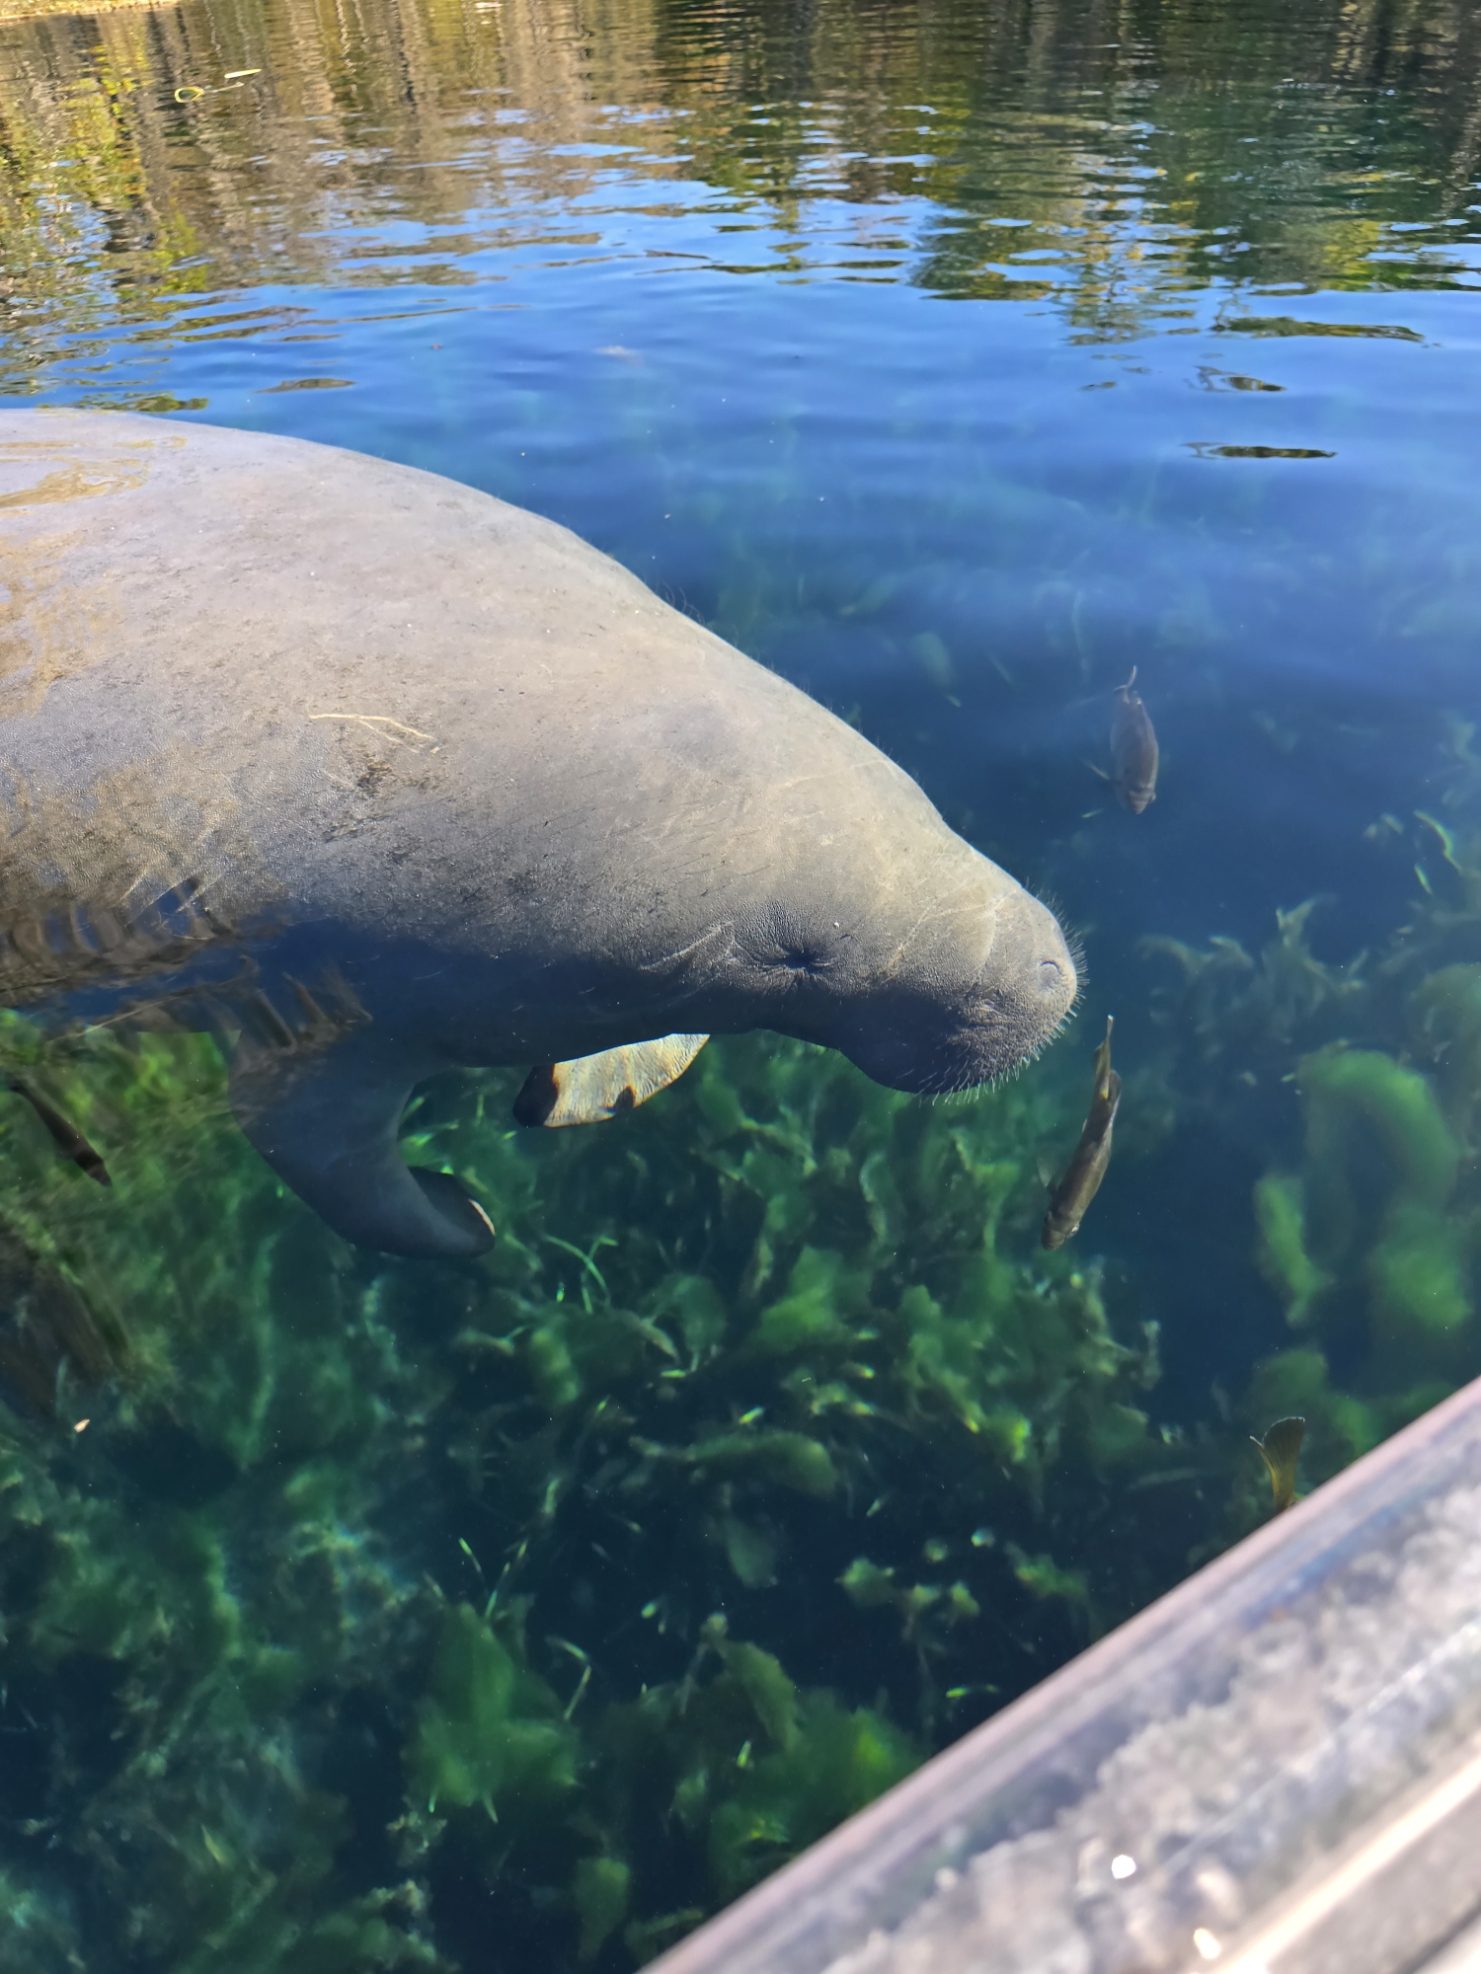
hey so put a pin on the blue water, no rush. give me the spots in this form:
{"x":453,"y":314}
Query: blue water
{"x":953,"y":359}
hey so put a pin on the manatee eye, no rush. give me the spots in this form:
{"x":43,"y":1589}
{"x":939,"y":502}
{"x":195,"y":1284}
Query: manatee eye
{"x":783,"y":946}
{"x":800,"y":960}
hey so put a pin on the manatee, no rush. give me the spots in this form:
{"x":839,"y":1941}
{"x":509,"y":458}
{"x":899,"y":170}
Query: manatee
{"x":381,"y":778}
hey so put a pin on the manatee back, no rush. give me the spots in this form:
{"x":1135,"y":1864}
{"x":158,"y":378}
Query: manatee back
{"x":297,"y":670}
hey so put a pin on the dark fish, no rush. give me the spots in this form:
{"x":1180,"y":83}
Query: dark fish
{"x":54,"y":1345}
{"x":1133,"y":750}
{"x":1280,"y":1449}
{"x":66,"y":1137}
{"x":1080,"y":1181}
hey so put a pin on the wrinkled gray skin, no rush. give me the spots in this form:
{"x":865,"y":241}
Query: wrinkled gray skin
{"x":441,"y":754}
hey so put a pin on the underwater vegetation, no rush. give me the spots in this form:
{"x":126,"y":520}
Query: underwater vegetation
{"x":574,"y":1589}
{"x":356,"y":1613}
{"x":1368,"y":1230}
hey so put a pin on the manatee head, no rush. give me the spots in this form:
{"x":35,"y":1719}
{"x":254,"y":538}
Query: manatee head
{"x":954,"y":1011}
{"x":927,"y":989}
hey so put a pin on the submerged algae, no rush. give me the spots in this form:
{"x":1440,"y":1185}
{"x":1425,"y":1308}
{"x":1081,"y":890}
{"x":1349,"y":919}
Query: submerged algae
{"x":764,"y":1453}
{"x":488,"y":1730}
{"x":1372,"y":1243}
{"x":680,"y":1411}
{"x":1363,"y":1235}
{"x":1368,"y":1229}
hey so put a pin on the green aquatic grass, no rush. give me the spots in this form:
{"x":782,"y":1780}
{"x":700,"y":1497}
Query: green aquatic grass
{"x":504,"y":1502}
{"x":766,"y":1452}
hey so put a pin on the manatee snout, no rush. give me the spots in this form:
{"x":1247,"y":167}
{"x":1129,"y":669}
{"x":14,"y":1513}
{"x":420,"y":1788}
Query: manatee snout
{"x":951,"y":1020}
{"x":1032,"y":980}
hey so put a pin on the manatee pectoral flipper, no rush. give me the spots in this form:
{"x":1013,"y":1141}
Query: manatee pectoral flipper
{"x":590,"y":1089}
{"x":327,"y":1125}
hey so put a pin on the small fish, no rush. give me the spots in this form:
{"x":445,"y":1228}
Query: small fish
{"x":67,"y":1138}
{"x":1133,"y":750}
{"x":1080,"y":1181}
{"x":1280,"y":1449}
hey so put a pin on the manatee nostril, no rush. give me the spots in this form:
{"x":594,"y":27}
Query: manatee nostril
{"x":1050,"y":974}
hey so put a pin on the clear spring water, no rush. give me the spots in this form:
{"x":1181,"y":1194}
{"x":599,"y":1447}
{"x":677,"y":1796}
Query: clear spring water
{"x":953,"y":359}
